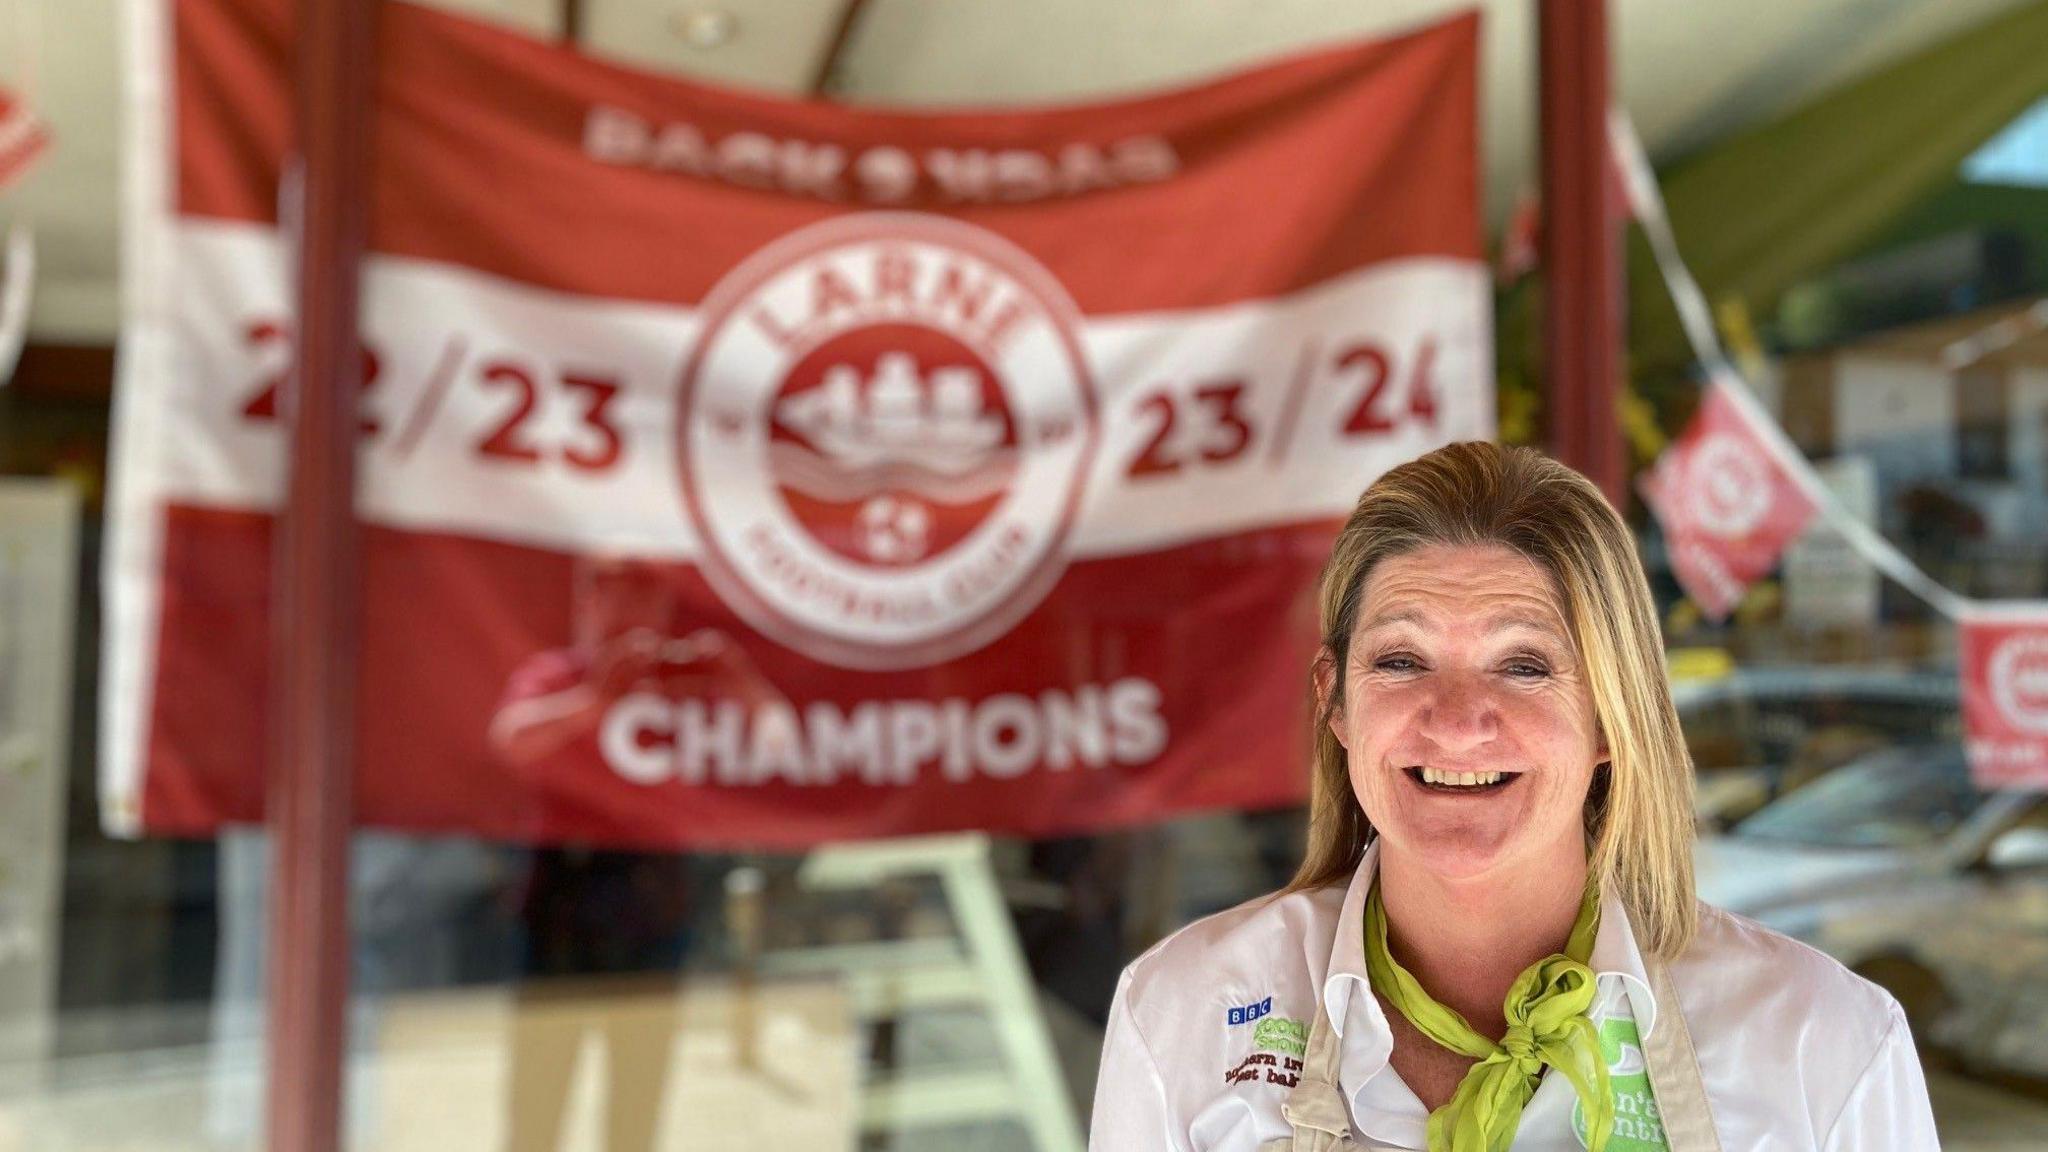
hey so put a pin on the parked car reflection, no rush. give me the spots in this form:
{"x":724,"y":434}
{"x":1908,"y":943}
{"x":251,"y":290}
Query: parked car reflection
{"x":1759,"y":732}
{"x":1904,"y":870}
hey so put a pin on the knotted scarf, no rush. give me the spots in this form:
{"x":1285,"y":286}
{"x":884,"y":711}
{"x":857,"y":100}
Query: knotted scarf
{"x":1547,"y":1024}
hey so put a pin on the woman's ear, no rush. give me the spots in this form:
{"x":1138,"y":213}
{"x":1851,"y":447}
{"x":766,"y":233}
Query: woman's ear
{"x":1327,"y":688}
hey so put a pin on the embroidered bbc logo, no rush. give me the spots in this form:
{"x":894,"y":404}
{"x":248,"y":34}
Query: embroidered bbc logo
{"x":1251,"y":1012}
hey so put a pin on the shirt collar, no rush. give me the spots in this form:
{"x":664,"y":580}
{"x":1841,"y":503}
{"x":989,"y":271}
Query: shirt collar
{"x":1347,"y":980}
{"x":1347,"y":990}
{"x":1616,"y":957}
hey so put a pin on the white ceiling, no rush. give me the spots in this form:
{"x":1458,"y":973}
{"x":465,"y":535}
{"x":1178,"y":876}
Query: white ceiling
{"x":1687,"y":70}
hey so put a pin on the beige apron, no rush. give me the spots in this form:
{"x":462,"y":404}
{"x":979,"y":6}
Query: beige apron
{"x":1315,"y":1106}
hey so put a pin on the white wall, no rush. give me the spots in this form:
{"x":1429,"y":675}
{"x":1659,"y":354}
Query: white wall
{"x":1901,"y":413}
{"x":2027,"y":424}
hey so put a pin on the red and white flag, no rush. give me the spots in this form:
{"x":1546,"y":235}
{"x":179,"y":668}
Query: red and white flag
{"x":1728,"y":503}
{"x":741,"y":471}
{"x":24,"y":138}
{"x":2003,"y":661}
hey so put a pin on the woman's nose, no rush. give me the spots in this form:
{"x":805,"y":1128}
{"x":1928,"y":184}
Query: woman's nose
{"x":1459,"y":716}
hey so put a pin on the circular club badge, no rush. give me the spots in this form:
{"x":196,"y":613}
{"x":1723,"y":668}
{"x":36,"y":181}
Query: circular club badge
{"x":2019,"y":681}
{"x":1731,"y":487}
{"x":884,"y":431}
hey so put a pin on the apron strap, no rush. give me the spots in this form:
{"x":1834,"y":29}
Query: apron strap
{"x":1675,"y":1071}
{"x":1315,"y":1106}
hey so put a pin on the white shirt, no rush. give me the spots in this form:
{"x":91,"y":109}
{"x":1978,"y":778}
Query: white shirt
{"x":1795,"y":1051}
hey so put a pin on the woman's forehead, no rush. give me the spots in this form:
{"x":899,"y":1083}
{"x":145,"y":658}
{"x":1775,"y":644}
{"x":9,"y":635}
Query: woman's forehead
{"x":1485,"y":587}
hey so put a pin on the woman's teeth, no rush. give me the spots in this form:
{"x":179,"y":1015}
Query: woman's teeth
{"x":1459,"y":779}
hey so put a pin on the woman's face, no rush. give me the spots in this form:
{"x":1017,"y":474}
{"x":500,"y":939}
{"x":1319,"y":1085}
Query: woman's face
{"x":1461,"y":666}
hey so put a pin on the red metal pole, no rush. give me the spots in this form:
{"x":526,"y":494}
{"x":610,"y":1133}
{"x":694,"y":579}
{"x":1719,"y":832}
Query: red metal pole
{"x":314,"y":621}
{"x":1581,"y":243}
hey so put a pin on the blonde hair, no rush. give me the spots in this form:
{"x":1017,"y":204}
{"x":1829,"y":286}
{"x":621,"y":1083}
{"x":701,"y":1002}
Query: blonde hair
{"x":1640,"y":812}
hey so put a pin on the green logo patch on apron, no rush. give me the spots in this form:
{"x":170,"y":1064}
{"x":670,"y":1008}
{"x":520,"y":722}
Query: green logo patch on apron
{"x":1279,"y":1034}
{"x":1638,"y":1126}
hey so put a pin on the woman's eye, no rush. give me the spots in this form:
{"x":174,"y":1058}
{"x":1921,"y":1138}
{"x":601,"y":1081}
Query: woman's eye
{"x":1527,"y":669}
{"x":1396,"y":664}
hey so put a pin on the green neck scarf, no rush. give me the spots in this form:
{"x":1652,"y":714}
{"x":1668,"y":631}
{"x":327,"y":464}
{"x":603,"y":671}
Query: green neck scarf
{"x":1547,"y":1024}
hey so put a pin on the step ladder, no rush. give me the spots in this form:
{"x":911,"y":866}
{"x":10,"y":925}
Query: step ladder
{"x":980,"y":967}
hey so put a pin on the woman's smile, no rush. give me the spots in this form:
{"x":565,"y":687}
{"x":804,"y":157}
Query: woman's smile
{"x":1451,"y":782}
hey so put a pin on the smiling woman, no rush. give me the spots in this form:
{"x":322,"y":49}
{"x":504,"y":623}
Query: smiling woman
{"x":1468,"y":726}
{"x":1498,"y":883}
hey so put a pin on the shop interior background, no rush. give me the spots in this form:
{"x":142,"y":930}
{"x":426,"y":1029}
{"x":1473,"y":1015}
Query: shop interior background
{"x":1857,"y":208}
